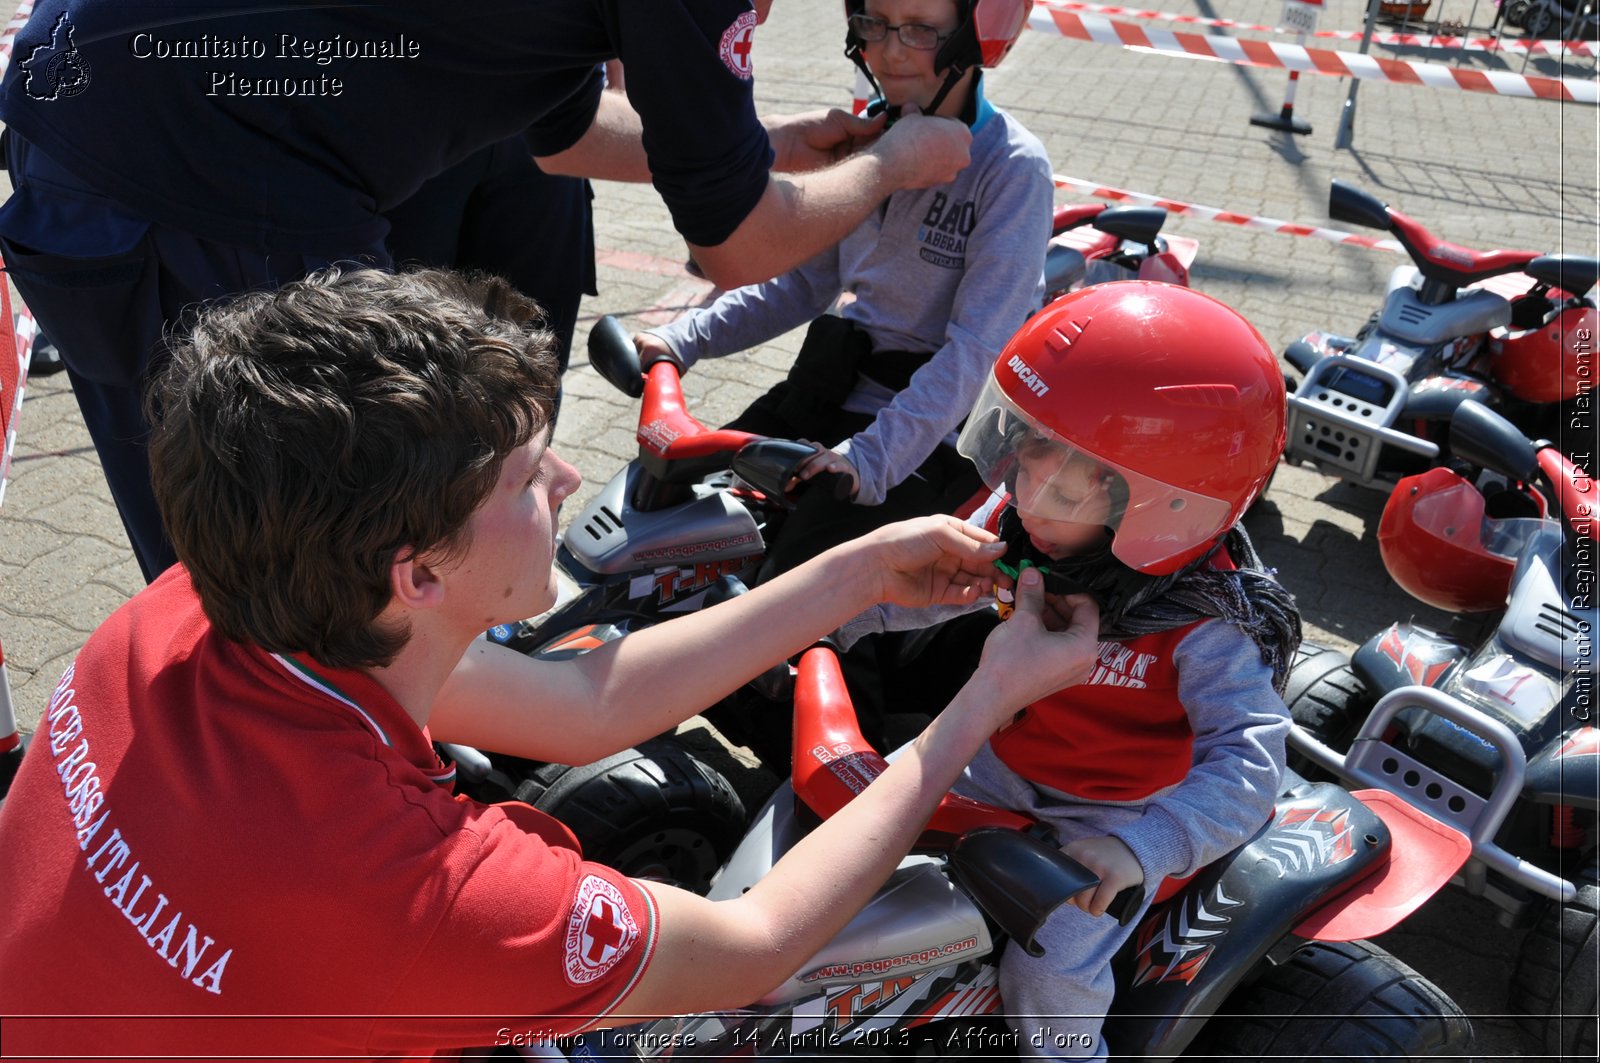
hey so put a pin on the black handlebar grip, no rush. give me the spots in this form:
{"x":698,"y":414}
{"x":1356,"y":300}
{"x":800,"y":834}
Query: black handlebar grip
{"x":837,"y":483}
{"x":614,"y":357}
{"x":1125,"y":905}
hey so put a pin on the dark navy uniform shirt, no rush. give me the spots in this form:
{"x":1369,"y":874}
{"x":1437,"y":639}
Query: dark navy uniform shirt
{"x":294,"y":125}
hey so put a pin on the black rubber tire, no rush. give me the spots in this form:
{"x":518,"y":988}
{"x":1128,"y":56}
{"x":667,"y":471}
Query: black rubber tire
{"x":655,"y":812}
{"x":1336,"y":1001}
{"x":1328,"y":699}
{"x":1554,"y":989}
{"x":1541,"y":23}
{"x":1311,"y":662}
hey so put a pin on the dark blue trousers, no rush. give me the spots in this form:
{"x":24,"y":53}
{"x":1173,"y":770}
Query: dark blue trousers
{"x":106,"y":286}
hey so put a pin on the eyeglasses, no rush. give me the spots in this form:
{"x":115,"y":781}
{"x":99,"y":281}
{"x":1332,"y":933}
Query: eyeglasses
{"x":916,"y":35}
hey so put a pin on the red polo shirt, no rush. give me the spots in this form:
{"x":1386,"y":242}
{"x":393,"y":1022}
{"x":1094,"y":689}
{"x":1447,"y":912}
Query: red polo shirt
{"x":262,"y":856}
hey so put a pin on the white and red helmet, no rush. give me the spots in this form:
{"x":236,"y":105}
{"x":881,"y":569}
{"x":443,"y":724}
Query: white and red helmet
{"x":1439,"y":544}
{"x":1171,"y":390}
{"x":1546,"y":363}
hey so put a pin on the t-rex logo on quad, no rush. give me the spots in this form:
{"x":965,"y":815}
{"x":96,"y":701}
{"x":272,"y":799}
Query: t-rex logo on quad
{"x":56,"y":69}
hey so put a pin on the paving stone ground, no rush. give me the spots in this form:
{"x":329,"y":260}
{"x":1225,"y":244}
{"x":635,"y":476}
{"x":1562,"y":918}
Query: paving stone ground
{"x":1482,"y":171}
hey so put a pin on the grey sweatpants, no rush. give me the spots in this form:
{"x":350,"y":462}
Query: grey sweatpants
{"x":1057,"y":1002}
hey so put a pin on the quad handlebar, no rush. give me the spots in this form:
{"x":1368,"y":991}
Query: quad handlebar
{"x":676,"y":449}
{"x":1452,"y":266}
{"x":1437,"y":260}
{"x":1008,"y":862}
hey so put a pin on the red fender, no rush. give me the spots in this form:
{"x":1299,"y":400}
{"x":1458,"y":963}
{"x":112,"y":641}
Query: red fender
{"x":833,"y":760}
{"x":1424,"y":855}
{"x":1071,"y":215}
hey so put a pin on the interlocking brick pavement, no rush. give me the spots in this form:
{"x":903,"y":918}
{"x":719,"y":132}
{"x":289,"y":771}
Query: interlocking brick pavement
{"x":1478,"y":170}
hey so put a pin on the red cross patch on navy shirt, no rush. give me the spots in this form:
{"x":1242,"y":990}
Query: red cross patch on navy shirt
{"x":737,"y":41}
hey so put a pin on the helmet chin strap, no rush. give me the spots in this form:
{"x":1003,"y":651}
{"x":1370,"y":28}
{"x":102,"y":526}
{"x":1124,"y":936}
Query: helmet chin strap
{"x":950,"y":79}
{"x":852,"y":52}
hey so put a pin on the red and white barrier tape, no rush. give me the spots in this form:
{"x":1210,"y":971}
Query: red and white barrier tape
{"x":25,"y":329}
{"x":1227,"y":217}
{"x":1309,"y":60}
{"x":1398,"y":40}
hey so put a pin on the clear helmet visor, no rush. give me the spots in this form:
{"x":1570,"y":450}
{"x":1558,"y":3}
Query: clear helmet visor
{"x":1455,"y":515}
{"x":1054,"y":483}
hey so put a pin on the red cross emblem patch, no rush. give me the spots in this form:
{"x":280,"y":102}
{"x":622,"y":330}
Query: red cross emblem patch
{"x":737,"y":40}
{"x":599,"y":931}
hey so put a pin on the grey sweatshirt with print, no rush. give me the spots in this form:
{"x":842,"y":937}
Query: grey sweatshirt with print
{"x":953,"y":270}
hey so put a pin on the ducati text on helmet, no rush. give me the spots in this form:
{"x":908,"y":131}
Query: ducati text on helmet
{"x":1029,"y":378}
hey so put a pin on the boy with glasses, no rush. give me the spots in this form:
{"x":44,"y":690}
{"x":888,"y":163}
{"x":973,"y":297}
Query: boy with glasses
{"x":935,"y":282}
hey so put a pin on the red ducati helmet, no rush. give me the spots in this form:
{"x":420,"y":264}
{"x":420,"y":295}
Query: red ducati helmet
{"x":1438,"y":545}
{"x":1543,"y":364}
{"x":1169,"y":389}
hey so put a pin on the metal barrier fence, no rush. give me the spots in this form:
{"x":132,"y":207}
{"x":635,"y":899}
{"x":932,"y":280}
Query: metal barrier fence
{"x":1563,"y":31}
{"x":1479,"y":46}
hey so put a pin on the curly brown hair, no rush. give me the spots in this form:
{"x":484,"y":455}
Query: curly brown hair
{"x":304,"y":438}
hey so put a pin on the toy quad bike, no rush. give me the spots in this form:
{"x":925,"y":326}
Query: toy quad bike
{"x":1254,"y":957}
{"x":1092,"y":243}
{"x":1490,"y":726}
{"x":1459,"y":325}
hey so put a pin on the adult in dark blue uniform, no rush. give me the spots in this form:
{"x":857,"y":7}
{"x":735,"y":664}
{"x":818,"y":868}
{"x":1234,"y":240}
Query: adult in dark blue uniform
{"x":167,"y":151}
{"x":497,"y":212}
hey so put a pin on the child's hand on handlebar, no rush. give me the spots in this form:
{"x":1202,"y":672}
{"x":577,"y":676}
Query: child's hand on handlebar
{"x":653,"y":349}
{"x":828,"y":461}
{"x":1110,"y":858}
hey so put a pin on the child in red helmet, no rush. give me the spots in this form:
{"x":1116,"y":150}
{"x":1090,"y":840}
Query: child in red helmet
{"x":1124,"y":431}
